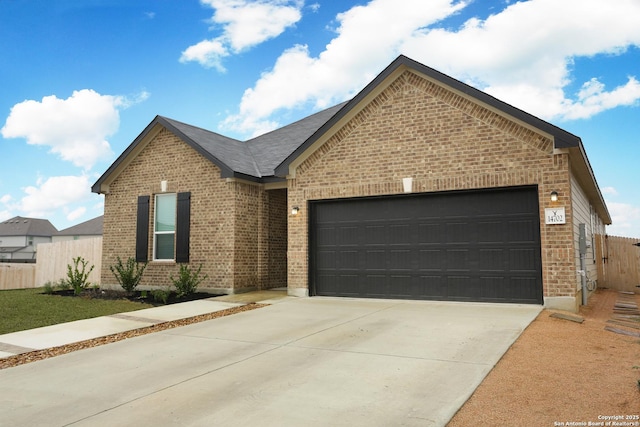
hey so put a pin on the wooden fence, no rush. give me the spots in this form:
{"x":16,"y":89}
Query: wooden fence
{"x":618,"y":262}
{"x":17,"y":276}
{"x":52,"y":259}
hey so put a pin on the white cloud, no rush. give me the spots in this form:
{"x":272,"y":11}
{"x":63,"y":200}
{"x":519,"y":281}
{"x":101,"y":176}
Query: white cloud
{"x":245,"y":24}
{"x":75,"y":128}
{"x":5,"y":215}
{"x":52,"y":194}
{"x":610,"y":191}
{"x":523,"y":54}
{"x":5,"y":199}
{"x":350,"y":60}
{"x":76,"y":213}
{"x":625,"y":219}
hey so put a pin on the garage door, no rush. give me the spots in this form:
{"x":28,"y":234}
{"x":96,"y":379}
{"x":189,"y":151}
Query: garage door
{"x":455,"y":246}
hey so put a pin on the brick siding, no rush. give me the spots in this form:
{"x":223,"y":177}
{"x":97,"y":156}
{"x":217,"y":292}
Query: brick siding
{"x":226,"y":232}
{"x":416,"y":128}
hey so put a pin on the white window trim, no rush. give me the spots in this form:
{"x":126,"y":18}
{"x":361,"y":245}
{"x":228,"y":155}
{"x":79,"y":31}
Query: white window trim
{"x":156,"y":233}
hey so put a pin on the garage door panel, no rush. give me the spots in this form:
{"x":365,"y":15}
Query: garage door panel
{"x":459,"y":288}
{"x":491,"y":232}
{"x":375,"y":234}
{"x":432,"y":287}
{"x":431,"y":259}
{"x":375,"y":259}
{"x":457,"y":260}
{"x":325,"y":236}
{"x":377,"y":286}
{"x":523,"y":231}
{"x":458,"y":232}
{"x":494,"y":287}
{"x":524,"y":259}
{"x":429,"y":233}
{"x":462,"y":246}
{"x":523,"y":289}
{"x":491,"y":259}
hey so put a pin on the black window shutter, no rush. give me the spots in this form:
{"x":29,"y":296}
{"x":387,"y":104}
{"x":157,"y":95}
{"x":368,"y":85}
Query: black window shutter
{"x":142,"y":229}
{"x":183,"y":218}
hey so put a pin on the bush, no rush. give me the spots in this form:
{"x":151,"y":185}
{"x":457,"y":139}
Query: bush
{"x":49,"y":287}
{"x":187,"y":281}
{"x":64,"y":285}
{"x":128,"y":275}
{"x":77,"y":278}
{"x":161,"y":295}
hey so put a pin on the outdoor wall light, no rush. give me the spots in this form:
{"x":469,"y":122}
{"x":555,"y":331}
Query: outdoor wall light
{"x":554,"y":196}
{"x":295,"y":210}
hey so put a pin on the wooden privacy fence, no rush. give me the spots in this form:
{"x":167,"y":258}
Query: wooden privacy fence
{"x":618,"y":262}
{"x":52,"y":259}
{"x":17,"y":276}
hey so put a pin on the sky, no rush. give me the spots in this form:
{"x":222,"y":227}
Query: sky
{"x":81,"y":79}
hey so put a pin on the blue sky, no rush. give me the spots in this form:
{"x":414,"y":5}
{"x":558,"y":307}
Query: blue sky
{"x":82,"y":78}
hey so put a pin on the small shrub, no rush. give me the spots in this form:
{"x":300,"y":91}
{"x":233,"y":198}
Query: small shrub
{"x":187,"y":281}
{"x":77,"y":277}
{"x":128,"y":275}
{"x":49,"y":287}
{"x":63,"y":285}
{"x":161,"y":295}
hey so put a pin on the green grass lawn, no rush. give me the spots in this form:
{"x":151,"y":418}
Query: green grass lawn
{"x":23,"y":309}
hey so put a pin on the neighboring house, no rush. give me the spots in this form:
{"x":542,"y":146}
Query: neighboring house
{"x":420,"y":187}
{"x":85,"y":230}
{"x":19,"y":238}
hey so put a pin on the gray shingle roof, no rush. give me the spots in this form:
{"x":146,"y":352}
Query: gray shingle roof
{"x":254,"y":160}
{"x":92,"y":227}
{"x":268,"y":157}
{"x":21,"y":226}
{"x":274,"y":147}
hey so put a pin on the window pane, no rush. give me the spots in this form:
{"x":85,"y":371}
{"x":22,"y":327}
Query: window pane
{"x":164,"y":246}
{"x":166,"y":212}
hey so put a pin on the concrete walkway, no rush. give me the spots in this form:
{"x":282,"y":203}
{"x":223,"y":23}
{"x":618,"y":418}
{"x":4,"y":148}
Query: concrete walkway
{"x":303,"y":361}
{"x":80,"y":330}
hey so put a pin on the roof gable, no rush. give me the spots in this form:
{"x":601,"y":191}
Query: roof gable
{"x":562,"y":138}
{"x":21,"y":226}
{"x":88,"y":228}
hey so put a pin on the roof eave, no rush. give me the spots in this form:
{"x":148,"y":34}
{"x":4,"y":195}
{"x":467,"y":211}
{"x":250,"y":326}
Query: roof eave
{"x":585,"y":174}
{"x":101,"y":186}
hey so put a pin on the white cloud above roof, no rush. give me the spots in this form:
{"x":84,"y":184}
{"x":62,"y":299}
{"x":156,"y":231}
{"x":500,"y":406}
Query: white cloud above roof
{"x":625,"y":218}
{"x":523,"y":55}
{"x":75,"y":128}
{"x":245,"y":24}
{"x":51,"y":194}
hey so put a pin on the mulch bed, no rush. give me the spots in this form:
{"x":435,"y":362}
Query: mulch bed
{"x":136,"y":296}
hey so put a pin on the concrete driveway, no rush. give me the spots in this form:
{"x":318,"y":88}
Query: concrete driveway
{"x":303,"y":361}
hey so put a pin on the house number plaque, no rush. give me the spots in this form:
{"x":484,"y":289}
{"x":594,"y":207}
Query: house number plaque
{"x":554,"y":216}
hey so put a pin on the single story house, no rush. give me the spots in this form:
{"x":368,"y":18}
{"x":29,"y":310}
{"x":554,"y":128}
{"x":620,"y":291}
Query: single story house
{"x":20,"y":236}
{"x":420,"y":187}
{"x":85,"y":230}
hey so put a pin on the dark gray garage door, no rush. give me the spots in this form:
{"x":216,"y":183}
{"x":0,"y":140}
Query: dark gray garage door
{"x":456,"y":246}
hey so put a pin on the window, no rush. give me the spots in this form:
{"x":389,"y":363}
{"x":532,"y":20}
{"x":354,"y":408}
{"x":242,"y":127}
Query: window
{"x":170,"y":225}
{"x":164,"y":230}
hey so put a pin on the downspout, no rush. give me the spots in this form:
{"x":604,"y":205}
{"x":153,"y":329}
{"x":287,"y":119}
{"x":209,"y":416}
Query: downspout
{"x":582,"y":246}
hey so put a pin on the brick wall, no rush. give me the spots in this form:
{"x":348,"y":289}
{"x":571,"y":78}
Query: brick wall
{"x":212,"y":212}
{"x":238,"y":230}
{"x":415,"y":128}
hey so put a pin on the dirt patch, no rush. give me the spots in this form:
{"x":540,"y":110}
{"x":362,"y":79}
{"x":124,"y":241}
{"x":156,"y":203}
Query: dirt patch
{"x":561,"y":372}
